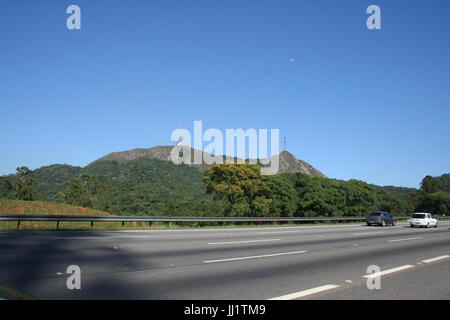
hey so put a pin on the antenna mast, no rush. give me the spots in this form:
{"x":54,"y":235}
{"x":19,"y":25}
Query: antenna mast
{"x":180,"y":138}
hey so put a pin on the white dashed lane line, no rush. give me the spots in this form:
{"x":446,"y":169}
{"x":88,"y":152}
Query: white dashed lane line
{"x":388,"y":271}
{"x":304,"y":293}
{"x":312,"y":291}
{"x":255,"y":257}
{"x":405,"y":239}
{"x":366,"y":233}
{"x":436,"y":259}
{"x":276,"y":232}
{"x":243,"y":241}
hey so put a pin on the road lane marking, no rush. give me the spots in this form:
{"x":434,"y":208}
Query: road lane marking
{"x":255,"y":257}
{"x":405,"y":239}
{"x":364,"y":233}
{"x":435,"y":259}
{"x":272,"y":232}
{"x":305,"y":293}
{"x":244,"y":241}
{"x":389,"y":271}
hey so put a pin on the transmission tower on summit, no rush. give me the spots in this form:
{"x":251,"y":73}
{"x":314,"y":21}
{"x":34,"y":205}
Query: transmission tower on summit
{"x":180,"y":137}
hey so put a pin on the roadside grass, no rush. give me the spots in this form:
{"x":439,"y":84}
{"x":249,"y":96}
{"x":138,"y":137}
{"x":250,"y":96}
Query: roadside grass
{"x":39,"y":207}
{"x":11,"y":226}
{"x":46,"y":208}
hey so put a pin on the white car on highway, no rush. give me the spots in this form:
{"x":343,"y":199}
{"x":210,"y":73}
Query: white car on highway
{"x":423,"y":220}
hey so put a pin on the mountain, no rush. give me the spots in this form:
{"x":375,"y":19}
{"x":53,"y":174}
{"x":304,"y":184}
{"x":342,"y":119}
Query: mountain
{"x":287,"y":161}
{"x":145,"y":181}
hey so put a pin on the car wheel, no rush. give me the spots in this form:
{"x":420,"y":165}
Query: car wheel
{"x":411,"y":226}
{"x":428,"y":225}
{"x":383,"y":224}
{"x":436,"y":225}
{"x":394,"y":223}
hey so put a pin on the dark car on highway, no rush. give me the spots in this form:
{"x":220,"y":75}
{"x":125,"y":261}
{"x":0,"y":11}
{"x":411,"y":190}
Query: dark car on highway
{"x":380,"y":218}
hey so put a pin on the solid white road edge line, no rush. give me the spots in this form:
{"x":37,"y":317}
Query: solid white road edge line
{"x":255,"y":257}
{"x":305,"y":293}
{"x":243,"y":241}
{"x":436,"y":259}
{"x":389,"y":271}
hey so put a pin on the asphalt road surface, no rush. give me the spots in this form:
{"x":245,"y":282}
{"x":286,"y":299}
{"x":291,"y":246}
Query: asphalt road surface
{"x":311,"y":262}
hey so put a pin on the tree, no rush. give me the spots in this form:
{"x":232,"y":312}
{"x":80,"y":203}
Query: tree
{"x":436,"y":203}
{"x":283,"y":196}
{"x":77,"y":194}
{"x":430,"y":185}
{"x":89,"y":191}
{"x":240,"y":187}
{"x":439,"y":203}
{"x":23,"y":185}
{"x":426,"y":201}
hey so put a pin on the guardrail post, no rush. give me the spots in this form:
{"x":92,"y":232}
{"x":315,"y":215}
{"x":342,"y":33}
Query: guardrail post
{"x":150,"y":224}
{"x":57,"y":224}
{"x":92,"y":224}
{"x":18,"y":225}
{"x":123,"y":224}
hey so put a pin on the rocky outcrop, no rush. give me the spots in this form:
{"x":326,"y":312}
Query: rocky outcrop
{"x":287,"y":161}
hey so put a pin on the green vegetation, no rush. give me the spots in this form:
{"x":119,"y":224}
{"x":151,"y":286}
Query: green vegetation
{"x":139,"y":187}
{"x":22,"y":185}
{"x":445,"y":182}
{"x":160,"y":188}
{"x":397,"y":191}
{"x":241,"y":190}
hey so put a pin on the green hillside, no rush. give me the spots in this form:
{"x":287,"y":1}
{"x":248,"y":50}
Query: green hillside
{"x":139,"y":187}
{"x":397,"y":191}
{"x":149,"y":186}
{"x":153,"y":187}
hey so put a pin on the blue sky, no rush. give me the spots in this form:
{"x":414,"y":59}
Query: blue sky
{"x":355,"y":103}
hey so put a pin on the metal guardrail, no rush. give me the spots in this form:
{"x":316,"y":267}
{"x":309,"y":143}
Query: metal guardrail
{"x":67,"y":218}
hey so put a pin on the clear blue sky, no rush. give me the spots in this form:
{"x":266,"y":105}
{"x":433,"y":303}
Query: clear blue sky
{"x":354,"y":103}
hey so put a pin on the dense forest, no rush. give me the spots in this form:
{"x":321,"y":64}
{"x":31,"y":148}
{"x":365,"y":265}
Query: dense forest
{"x":161,"y":188}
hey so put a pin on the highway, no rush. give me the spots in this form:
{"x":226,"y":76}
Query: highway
{"x":283,"y":263}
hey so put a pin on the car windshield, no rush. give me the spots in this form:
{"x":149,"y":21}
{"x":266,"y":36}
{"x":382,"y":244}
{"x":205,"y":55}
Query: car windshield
{"x":418,"y":216}
{"x":375,"y":214}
